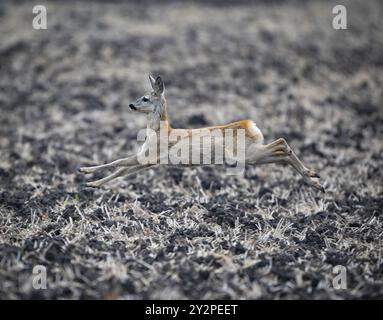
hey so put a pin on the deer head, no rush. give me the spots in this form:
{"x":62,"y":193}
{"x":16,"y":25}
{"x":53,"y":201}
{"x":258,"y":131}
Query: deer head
{"x":154,"y":101}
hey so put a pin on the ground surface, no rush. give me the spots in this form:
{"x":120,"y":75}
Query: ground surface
{"x":191,"y":233}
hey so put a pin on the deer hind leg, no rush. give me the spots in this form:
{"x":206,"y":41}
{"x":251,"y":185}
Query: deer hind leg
{"x":119,"y":173}
{"x":279,"y":151}
{"x":125,"y":162}
{"x":282,"y":145}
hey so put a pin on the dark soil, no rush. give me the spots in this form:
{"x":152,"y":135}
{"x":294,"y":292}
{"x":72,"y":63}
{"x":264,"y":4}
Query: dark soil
{"x":191,"y":233}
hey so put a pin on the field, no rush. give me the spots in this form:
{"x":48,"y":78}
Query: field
{"x":180,"y":233}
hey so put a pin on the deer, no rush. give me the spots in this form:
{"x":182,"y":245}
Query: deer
{"x":154,"y":105}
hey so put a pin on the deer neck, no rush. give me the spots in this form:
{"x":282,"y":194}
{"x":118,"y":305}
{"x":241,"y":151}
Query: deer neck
{"x":159,"y":119}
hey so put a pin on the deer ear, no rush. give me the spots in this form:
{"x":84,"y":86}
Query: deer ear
{"x":159,"y":86}
{"x":152,"y":82}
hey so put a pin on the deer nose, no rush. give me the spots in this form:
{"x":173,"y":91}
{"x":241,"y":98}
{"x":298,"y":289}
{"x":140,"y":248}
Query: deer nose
{"x":131,"y":106}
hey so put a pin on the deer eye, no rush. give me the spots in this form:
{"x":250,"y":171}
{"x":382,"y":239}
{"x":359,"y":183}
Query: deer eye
{"x":145,"y":99}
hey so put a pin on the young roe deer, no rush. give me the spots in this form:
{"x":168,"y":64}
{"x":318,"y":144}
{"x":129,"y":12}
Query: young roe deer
{"x":155,"y":106}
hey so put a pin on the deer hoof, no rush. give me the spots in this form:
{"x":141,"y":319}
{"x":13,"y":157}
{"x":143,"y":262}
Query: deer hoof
{"x":92,"y":185}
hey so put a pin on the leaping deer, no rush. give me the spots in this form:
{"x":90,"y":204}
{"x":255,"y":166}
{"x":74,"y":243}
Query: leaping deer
{"x":155,"y":106}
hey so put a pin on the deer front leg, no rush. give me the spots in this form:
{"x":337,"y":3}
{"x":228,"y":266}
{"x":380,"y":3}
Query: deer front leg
{"x":119,"y":173}
{"x":125,"y":162}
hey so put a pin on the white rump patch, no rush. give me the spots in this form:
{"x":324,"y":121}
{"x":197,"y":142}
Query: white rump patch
{"x":257,"y":131}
